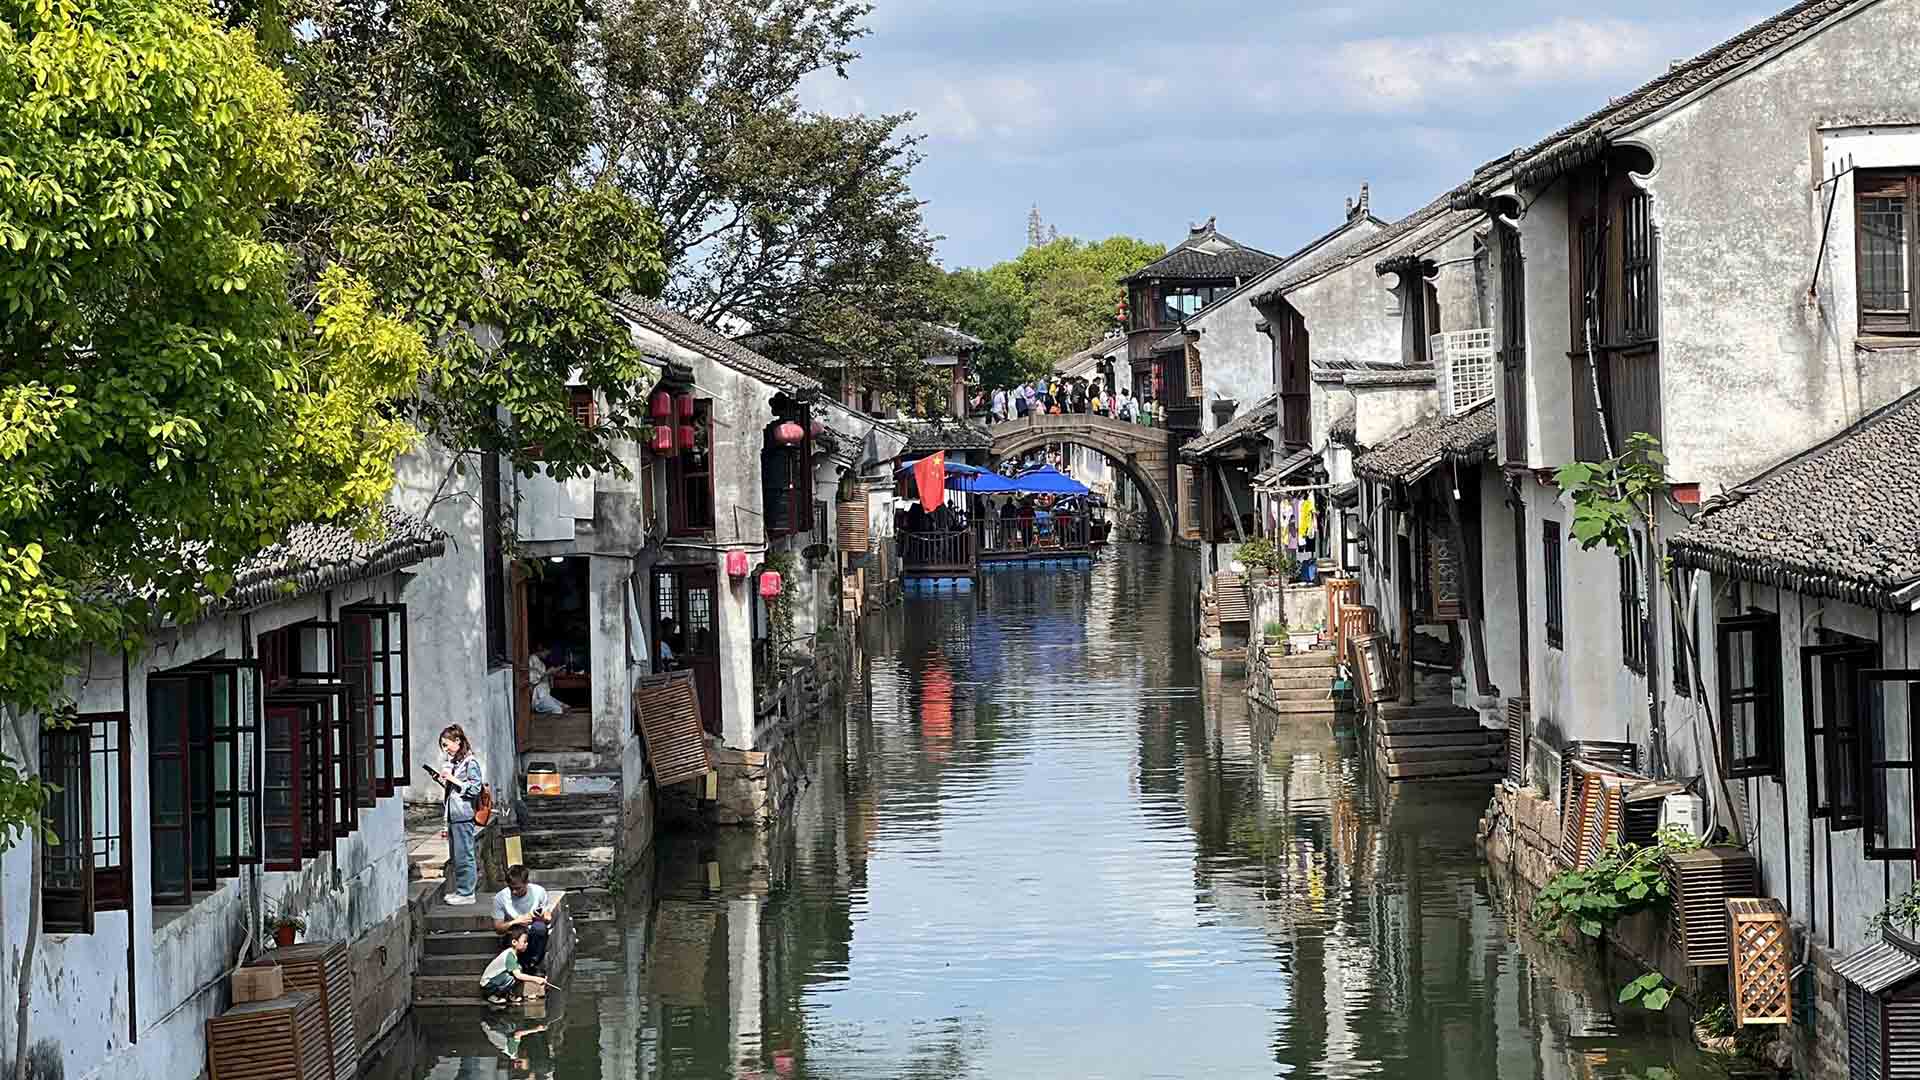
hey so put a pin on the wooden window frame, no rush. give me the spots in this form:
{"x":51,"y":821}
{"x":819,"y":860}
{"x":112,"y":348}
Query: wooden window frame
{"x":1682,"y":663}
{"x":1831,"y":730}
{"x":1764,"y":694}
{"x":190,"y":755}
{"x":1887,"y":183}
{"x":387,"y":688}
{"x":797,"y":462}
{"x":1554,"y":572}
{"x":582,"y":407}
{"x":1513,"y":341}
{"x":293,"y":716}
{"x":1875,"y":810}
{"x":1635,"y":633}
{"x":89,"y":870}
{"x":681,"y":473}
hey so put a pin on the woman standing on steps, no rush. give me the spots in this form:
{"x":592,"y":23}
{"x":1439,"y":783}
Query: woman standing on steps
{"x":462,"y":781}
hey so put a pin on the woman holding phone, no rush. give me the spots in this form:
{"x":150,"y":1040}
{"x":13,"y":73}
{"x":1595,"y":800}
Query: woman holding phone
{"x":462,"y":781}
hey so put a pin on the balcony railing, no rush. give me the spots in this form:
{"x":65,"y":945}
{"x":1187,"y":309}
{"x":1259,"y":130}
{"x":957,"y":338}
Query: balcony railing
{"x":1064,"y":533}
{"x":923,"y":551}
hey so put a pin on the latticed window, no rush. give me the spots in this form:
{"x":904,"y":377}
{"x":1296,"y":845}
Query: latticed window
{"x":1887,"y":703}
{"x":85,"y":870}
{"x":1830,"y":676}
{"x":1633,"y":618}
{"x":1513,"y":342}
{"x":1637,"y":302}
{"x":1556,"y":601}
{"x":1885,"y":205}
{"x":1751,"y":716}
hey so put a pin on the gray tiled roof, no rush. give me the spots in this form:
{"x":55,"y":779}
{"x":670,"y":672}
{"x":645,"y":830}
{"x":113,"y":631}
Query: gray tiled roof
{"x":1438,"y":212}
{"x":314,"y":558}
{"x":1256,"y":421}
{"x":1411,"y":375}
{"x":1170,"y":342}
{"x":1344,"y":429}
{"x":925,"y":436}
{"x":1878,"y":967}
{"x":1577,"y":143}
{"x":713,"y":344}
{"x":1466,"y":438}
{"x":1841,"y":520}
{"x":1286,"y":468}
{"x":1207,"y":253}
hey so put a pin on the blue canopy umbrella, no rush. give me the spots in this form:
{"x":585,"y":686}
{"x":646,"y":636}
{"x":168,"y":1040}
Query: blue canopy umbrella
{"x":1048,"y":480}
{"x":982,"y":483}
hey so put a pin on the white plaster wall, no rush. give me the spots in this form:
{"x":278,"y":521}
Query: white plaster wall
{"x":81,"y":993}
{"x":1543,"y":252}
{"x":1753,"y":370}
{"x":451,"y":679}
{"x":1499,"y":584}
{"x":1381,"y":412}
{"x":1823,"y":877}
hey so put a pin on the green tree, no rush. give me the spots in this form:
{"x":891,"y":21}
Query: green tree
{"x":456,"y":136}
{"x":994,"y":310}
{"x":165,"y":409}
{"x":794,"y":224}
{"x":1074,"y":293}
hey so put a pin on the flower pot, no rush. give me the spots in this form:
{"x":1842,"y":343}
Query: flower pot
{"x":283,"y":935}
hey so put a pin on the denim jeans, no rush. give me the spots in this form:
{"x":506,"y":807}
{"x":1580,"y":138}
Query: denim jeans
{"x":503,"y":984}
{"x":465,"y":872}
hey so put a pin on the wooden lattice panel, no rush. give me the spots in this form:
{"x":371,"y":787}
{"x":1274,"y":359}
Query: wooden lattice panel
{"x":852,"y":521}
{"x":1605,"y":804}
{"x":666,"y":709}
{"x":324,"y":969}
{"x":1762,"y":962}
{"x":1230,"y":598}
{"x":282,"y":1039}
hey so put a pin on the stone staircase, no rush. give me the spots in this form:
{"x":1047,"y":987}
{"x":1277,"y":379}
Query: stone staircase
{"x":1298,"y":684}
{"x":458,"y":942}
{"x":1438,"y":741}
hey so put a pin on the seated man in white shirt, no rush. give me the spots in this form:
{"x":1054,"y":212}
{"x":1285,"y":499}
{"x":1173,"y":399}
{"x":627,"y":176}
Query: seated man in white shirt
{"x":523,"y":904}
{"x":541,"y":679}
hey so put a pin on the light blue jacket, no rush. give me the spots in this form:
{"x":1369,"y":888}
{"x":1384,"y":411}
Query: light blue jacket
{"x":465,"y":789}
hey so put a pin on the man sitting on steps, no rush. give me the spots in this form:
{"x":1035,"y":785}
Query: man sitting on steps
{"x":524,"y":906}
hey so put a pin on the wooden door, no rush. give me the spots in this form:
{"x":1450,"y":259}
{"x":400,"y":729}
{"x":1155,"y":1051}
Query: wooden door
{"x":521,"y":643}
{"x":689,"y":596}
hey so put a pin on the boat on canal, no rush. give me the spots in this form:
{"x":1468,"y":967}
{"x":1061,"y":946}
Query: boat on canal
{"x":1039,"y":517}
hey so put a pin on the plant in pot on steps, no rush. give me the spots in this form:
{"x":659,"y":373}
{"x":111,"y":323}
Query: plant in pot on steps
{"x":1302,"y":638}
{"x":1262,"y":559}
{"x":286,"y":926}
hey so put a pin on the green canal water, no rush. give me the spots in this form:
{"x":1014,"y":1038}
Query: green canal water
{"x":1049,"y":840}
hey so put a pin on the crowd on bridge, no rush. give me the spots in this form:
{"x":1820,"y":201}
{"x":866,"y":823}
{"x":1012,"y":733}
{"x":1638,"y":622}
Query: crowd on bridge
{"x":1065,"y":396}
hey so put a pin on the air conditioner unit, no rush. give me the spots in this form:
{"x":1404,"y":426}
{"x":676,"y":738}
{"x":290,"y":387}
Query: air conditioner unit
{"x":1685,"y":812}
{"x":1466,"y":361}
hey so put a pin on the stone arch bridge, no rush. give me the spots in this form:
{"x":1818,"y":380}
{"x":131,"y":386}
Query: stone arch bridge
{"x":1137,"y":450}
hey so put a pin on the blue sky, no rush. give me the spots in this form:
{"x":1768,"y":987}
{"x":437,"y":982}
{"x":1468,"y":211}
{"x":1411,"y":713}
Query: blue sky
{"x":1140,"y":116}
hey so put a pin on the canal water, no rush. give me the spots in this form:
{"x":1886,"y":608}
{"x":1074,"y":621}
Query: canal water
{"x":1049,"y":840}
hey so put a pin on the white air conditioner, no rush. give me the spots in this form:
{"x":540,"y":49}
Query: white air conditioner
{"x":1684,"y":812}
{"x":1466,"y":363}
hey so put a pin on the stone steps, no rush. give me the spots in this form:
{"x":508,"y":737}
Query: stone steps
{"x":1318,"y":694}
{"x":1310,"y":682}
{"x":1479,"y":738}
{"x":459,"y":942}
{"x":566,"y":839}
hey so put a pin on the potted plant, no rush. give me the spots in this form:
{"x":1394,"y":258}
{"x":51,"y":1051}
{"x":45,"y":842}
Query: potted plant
{"x":1301,"y":638}
{"x":286,"y":926}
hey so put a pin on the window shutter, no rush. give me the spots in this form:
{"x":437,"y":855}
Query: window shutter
{"x":66,"y":867}
{"x":1750,"y":714}
{"x":1885,"y":712}
{"x":235,"y":746}
{"x":357,"y":663}
{"x":282,"y":808}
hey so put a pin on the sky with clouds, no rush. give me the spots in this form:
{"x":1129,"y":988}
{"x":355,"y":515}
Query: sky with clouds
{"x":1140,"y":116}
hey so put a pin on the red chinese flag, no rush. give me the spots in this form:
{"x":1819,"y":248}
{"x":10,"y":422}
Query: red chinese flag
{"x":930,"y":478}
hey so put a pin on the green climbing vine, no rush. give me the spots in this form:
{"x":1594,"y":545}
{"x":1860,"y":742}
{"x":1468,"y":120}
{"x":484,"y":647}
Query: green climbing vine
{"x":1624,"y":880}
{"x":780,"y":608}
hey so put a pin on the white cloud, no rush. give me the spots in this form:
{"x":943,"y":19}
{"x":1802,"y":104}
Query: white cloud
{"x":1399,"y":73}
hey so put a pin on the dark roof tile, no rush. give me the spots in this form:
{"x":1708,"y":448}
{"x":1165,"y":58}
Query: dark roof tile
{"x":926,"y":436}
{"x":314,"y":558}
{"x":1841,"y":520}
{"x":1466,"y":438}
{"x":713,"y":344}
{"x":1255,"y":421}
{"x":1207,"y":253}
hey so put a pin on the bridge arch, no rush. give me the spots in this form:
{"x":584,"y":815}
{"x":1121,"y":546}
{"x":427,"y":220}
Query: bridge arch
{"x":1135,"y":449}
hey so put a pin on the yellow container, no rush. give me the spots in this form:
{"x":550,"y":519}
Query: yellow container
{"x":543,"y":778}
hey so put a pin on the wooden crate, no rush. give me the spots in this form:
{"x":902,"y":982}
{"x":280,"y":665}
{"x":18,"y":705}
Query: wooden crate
{"x":1701,"y":882}
{"x":1762,"y":961}
{"x":282,"y":1039}
{"x":666,"y":711}
{"x":324,"y":969}
{"x":1356,"y":620}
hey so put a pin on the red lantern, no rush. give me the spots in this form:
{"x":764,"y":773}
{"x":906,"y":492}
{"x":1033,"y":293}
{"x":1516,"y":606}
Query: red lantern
{"x":662,"y":439}
{"x":660,"y":407}
{"x":789,"y":433}
{"x":686,"y":406}
{"x":736,"y":564}
{"x":686,"y":436}
{"x":770,"y":584}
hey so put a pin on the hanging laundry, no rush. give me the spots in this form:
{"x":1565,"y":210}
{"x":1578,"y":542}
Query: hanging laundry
{"x":1307,"y":521}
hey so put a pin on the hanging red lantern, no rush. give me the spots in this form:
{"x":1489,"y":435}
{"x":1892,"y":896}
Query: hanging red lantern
{"x":736,"y":564}
{"x":770,"y":584}
{"x":686,"y":436}
{"x":662,"y":439}
{"x":686,"y":406}
{"x":789,"y":433}
{"x":660,"y":406}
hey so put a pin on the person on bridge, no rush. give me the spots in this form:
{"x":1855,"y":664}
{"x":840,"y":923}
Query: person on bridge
{"x":1129,"y":408}
{"x":999,"y":404}
{"x":1021,"y":404}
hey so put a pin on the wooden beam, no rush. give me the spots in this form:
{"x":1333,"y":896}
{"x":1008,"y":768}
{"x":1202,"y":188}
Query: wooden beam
{"x":1233,"y":505}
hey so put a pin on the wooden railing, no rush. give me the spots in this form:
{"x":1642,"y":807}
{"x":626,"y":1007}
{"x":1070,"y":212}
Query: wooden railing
{"x":1065,"y":532}
{"x":938,"y":550}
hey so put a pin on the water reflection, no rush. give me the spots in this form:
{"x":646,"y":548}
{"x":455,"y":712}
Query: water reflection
{"x":1048,"y":841}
